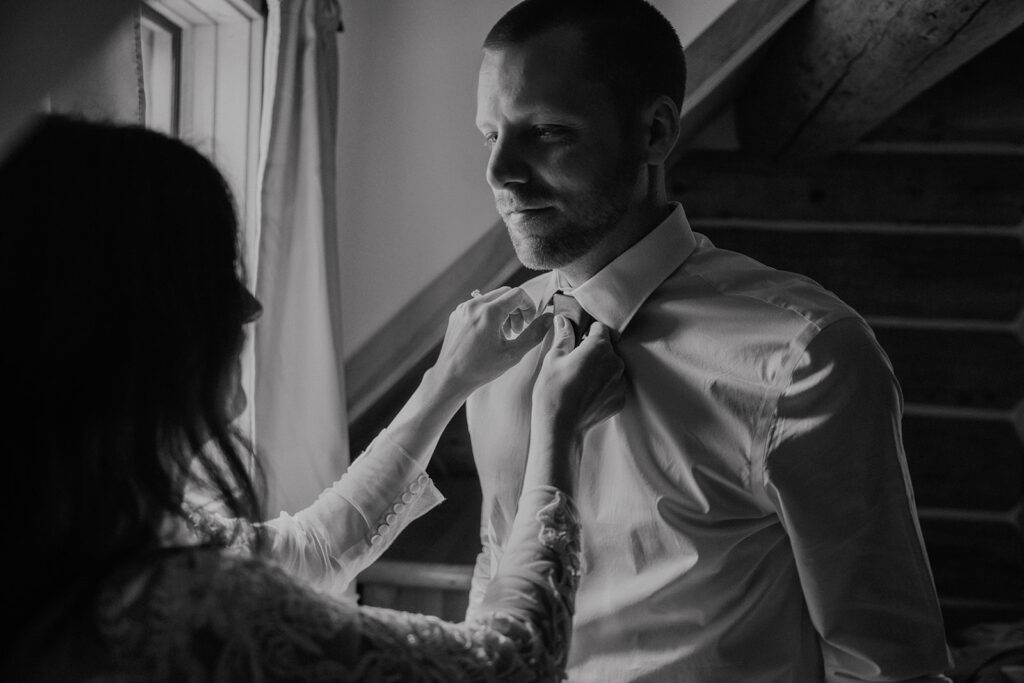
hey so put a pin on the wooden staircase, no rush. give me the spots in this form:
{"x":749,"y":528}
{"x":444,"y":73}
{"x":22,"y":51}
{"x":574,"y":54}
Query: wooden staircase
{"x":928,"y":247}
{"x":921,"y":229}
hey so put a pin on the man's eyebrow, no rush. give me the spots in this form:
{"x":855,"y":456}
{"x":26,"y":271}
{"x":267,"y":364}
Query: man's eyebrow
{"x":541,"y":115}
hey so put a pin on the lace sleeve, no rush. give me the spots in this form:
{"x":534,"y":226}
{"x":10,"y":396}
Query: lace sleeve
{"x":209,"y":615}
{"x":521,"y":630}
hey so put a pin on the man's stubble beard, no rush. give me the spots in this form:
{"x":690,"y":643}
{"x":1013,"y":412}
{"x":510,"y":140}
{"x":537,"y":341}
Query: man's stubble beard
{"x":581,"y":224}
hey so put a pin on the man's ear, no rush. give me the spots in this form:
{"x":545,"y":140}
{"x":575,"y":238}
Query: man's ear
{"x":661,"y":129}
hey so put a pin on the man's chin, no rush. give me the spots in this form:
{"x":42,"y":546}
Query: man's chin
{"x":534,"y":254}
{"x":531,"y":262}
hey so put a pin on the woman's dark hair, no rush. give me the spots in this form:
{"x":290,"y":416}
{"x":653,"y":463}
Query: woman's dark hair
{"x":124,"y":306}
{"x":630,"y":46}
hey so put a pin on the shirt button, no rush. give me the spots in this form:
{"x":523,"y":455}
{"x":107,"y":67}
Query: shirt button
{"x":390,"y":519}
{"x":382,"y":529}
{"x":399,"y":507}
{"x":406,"y":497}
{"x":375,"y":539}
{"x":423,"y":479}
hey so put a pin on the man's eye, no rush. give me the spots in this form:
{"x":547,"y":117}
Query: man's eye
{"x":547,"y":132}
{"x":490,"y":139}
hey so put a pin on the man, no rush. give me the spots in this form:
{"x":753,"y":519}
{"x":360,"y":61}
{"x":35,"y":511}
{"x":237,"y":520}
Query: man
{"x":748,"y":516}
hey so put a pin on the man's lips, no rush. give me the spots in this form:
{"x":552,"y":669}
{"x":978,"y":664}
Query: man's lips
{"x":524,"y":210}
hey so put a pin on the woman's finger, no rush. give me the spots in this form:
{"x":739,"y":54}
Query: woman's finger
{"x":599,"y":332}
{"x":510,"y":311}
{"x":532,"y":334}
{"x":486,"y":297}
{"x":513,"y":299}
{"x":514,"y":325}
{"x":565,"y":337}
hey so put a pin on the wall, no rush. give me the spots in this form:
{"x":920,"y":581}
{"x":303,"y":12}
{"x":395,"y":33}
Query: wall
{"x":41,"y":44}
{"x":412,"y":193}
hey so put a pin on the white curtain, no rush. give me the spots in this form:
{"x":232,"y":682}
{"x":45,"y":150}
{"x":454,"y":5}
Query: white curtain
{"x":299,"y":399}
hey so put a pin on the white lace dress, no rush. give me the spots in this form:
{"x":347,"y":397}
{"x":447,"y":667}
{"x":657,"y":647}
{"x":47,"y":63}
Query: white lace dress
{"x":205,"y":614}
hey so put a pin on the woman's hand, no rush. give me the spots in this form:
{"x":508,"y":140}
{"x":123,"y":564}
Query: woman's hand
{"x":575,"y":390}
{"x":486,"y":336}
{"x":578,"y":388}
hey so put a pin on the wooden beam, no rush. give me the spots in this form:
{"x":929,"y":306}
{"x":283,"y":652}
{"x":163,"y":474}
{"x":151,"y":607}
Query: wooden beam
{"x":894,"y":275}
{"x":976,"y":560}
{"x":964,"y":463}
{"x":841,"y":68}
{"x":877,"y":187}
{"x":980,"y":106}
{"x":957,"y":368}
{"x":451,"y":577}
{"x":720,"y":57}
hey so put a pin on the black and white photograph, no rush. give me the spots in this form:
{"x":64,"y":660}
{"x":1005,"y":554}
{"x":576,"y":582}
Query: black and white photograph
{"x":600,"y":341}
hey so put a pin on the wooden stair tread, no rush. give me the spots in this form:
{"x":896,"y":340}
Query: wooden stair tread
{"x":956,"y":367}
{"x":973,"y":189}
{"x":965,"y":464}
{"x":911,"y":275}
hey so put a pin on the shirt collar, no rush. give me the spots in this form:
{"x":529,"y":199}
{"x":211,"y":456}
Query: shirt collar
{"x":615,"y":293}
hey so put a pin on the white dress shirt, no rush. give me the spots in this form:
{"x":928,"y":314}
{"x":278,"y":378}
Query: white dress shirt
{"x":748,"y":516}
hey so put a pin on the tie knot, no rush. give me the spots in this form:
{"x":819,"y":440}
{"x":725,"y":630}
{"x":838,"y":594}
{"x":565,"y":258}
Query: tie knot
{"x":566,"y":304}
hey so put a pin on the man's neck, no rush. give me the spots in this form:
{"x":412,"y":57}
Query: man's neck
{"x":635,"y":225}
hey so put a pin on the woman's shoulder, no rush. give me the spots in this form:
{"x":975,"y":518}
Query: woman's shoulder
{"x":193,"y":611}
{"x":174,"y":614}
{"x":211,"y":585}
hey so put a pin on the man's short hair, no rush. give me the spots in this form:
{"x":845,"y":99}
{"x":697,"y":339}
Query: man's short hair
{"x":630,"y":46}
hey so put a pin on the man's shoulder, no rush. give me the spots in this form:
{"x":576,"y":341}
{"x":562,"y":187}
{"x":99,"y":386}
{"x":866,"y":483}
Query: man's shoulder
{"x":743,"y":284}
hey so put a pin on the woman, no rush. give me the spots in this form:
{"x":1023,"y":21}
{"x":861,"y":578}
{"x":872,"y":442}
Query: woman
{"x":122,"y":269}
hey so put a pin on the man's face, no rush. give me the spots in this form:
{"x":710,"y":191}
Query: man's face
{"x":561,"y":169}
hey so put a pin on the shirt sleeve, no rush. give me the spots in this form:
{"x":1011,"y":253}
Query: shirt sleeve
{"x":355,"y":520}
{"x":836,"y":473}
{"x":483,"y":570}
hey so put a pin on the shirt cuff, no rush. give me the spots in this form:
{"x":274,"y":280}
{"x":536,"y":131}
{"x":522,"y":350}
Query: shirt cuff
{"x":355,"y":520}
{"x":387,"y":485}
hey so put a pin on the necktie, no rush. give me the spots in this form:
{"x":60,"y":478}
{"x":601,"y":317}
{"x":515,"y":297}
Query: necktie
{"x":571,"y":309}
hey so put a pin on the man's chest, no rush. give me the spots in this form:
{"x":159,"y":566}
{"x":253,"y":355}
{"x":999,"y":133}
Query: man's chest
{"x":684,"y":436}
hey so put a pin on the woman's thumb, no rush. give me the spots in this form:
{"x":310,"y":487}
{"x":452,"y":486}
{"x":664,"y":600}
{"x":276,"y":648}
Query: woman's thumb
{"x":565,"y":336}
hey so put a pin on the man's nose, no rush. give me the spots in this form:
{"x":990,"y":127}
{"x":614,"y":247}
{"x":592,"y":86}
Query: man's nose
{"x":507,"y":164}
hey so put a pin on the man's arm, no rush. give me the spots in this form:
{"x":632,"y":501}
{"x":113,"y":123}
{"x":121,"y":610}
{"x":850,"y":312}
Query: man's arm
{"x":836,"y":472}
